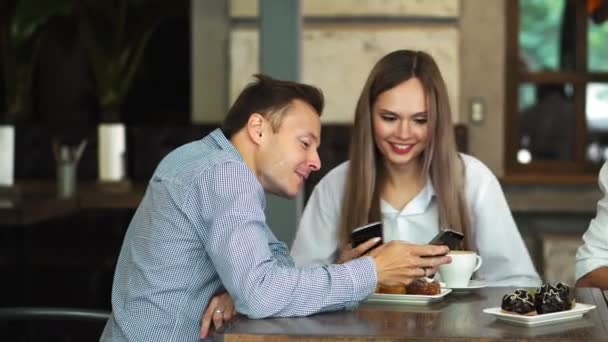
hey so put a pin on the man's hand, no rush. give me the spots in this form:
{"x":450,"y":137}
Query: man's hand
{"x":399,"y":262}
{"x":220,"y":309}
{"x":347,"y":253}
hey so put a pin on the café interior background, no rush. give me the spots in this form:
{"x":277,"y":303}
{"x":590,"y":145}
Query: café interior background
{"x":199,"y":59}
{"x":341,"y":40}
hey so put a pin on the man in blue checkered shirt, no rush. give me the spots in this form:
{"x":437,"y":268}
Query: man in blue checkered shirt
{"x":200,"y":229}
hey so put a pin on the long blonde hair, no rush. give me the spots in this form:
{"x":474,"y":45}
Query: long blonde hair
{"x":366,"y":172}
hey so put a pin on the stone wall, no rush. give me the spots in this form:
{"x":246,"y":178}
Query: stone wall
{"x":338,"y":57}
{"x":420,"y":8}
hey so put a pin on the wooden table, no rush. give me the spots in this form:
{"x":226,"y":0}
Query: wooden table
{"x":458,"y":317}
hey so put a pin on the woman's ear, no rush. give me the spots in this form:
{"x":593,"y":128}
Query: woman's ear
{"x":255,"y":127}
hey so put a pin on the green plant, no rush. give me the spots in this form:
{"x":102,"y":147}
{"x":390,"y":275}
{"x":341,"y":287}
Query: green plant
{"x":21,"y":33}
{"x":115,"y":34}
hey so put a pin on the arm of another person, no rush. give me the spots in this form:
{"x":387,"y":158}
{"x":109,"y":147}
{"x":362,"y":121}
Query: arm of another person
{"x":506,"y":260}
{"x":238,"y":243}
{"x":596,"y":278}
{"x":592,"y":256}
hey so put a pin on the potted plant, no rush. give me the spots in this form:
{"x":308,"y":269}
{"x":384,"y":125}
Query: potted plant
{"x":114,"y":34}
{"x":20,"y":38}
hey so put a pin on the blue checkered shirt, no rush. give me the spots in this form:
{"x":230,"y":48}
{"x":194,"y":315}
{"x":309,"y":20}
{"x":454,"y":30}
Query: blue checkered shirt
{"x":201,"y":228}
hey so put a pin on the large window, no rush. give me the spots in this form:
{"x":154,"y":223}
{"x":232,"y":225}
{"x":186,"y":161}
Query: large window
{"x":557,"y":86}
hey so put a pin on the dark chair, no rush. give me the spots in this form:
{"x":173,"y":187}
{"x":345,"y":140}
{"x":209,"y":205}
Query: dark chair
{"x":35,"y":313}
{"x":51,"y":324}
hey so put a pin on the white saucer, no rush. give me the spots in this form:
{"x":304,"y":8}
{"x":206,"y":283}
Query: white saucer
{"x":378,"y":298}
{"x":576,"y":312}
{"x":474,"y":284}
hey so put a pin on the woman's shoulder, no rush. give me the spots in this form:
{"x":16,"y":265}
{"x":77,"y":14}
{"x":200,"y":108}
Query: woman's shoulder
{"x":331,"y":185}
{"x":475,"y":169}
{"x":335,"y":176}
{"x":328,"y":192}
{"x":480,"y":181}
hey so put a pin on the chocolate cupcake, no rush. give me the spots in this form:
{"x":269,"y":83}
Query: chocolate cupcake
{"x":551,"y":301}
{"x":547,"y":298}
{"x":520,"y":302}
{"x":566,"y":294}
{"x":545,"y":303}
{"x":540,"y":292}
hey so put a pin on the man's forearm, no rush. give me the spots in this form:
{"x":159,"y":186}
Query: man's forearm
{"x":596,"y":278}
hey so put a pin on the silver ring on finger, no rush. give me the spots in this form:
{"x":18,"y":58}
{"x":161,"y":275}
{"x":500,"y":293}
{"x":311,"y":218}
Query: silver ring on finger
{"x":219,"y":311}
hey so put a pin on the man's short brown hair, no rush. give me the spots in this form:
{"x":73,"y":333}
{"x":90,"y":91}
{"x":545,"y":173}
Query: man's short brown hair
{"x":269,"y":97}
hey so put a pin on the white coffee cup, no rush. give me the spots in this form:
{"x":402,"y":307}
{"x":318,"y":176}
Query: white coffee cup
{"x":459,"y":271}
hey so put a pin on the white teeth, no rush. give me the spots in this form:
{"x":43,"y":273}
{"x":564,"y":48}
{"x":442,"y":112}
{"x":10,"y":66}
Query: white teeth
{"x":402,"y":146}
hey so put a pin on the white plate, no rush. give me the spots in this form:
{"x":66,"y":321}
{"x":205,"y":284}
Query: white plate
{"x":406,"y":299}
{"x":473,"y":285}
{"x":577,"y":312}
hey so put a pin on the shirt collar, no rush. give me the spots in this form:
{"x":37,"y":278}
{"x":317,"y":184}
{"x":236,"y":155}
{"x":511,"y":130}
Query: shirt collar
{"x":223,"y":143}
{"x":417,"y":205}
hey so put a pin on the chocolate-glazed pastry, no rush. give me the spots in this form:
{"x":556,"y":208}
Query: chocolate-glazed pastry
{"x":520,"y":302}
{"x":542,"y":297}
{"x":548,"y":298}
{"x":566,"y":294}
{"x":551,"y":301}
{"x":540,"y":292}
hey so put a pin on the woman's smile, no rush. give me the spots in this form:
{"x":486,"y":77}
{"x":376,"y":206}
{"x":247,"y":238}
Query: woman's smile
{"x":401,"y":148}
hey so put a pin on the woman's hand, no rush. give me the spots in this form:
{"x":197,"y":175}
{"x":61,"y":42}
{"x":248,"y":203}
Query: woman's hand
{"x":347,"y":253}
{"x":219,"y":310}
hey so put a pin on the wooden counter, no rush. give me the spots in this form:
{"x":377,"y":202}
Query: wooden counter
{"x":37,"y":201}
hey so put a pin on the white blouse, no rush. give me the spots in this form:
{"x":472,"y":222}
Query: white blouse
{"x":506,"y":261}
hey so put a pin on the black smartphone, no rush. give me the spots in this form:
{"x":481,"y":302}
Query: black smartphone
{"x":364,"y":233}
{"x":448,"y":237}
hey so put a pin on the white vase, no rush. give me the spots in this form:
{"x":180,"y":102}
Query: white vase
{"x":7,"y":155}
{"x":112,"y":152}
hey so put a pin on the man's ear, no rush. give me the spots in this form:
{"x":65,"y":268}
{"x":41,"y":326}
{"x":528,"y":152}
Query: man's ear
{"x":255,"y":127}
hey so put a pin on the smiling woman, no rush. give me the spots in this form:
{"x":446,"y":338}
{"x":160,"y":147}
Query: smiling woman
{"x":400,"y":124}
{"x":405,"y":171}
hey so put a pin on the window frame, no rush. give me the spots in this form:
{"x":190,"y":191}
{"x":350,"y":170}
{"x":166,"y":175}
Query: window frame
{"x":555,"y":171}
